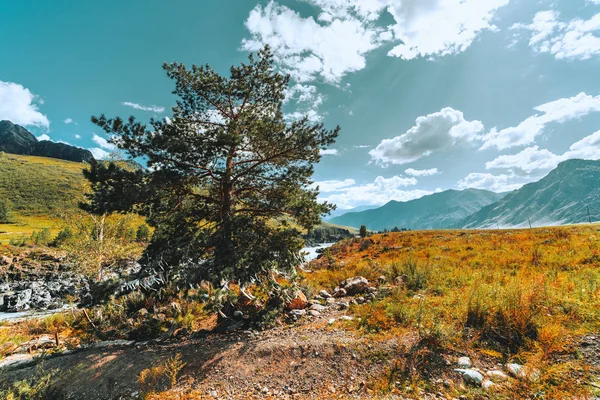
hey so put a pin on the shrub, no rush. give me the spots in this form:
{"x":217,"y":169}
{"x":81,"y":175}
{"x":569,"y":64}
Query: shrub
{"x":142,"y":234}
{"x":4,"y":211}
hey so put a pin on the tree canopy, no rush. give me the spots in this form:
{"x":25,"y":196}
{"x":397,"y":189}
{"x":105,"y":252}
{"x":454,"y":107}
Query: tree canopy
{"x":228,"y":178}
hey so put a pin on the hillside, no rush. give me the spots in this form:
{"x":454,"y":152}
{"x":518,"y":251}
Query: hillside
{"x":560,"y":198}
{"x":17,"y":140}
{"x":437,"y":211}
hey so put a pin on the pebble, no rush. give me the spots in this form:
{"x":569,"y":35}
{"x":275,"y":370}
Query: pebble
{"x":470,"y":376}
{"x":464,"y":362}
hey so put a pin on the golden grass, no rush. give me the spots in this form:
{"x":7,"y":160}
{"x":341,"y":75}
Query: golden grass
{"x":512,"y":295}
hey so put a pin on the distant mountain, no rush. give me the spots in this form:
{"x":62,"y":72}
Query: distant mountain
{"x":17,"y":140}
{"x":338,"y":212}
{"x":436,"y":211}
{"x":562,"y":197}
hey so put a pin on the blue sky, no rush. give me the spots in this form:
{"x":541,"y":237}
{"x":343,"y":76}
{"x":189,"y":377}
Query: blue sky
{"x":430,"y":94}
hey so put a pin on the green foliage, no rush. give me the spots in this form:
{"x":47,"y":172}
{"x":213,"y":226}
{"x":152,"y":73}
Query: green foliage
{"x":142,"y":234}
{"x":35,"y":387}
{"x":63,"y":237}
{"x":5,"y":208}
{"x":41,"y":238}
{"x":363,"y":231}
{"x":227,"y":176}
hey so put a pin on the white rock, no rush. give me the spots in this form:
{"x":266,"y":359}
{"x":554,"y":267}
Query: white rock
{"x":331,"y":321}
{"x":325,"y":294}
{"x":16,"y":359}
{"x":318,"y":307}
{"x":514,"y":369}
{"x":497,"y":376}
{"x":464,"y":362}
{"x":346,"y":318}
{"x":487,"y":384}
{"x":470,"y":376}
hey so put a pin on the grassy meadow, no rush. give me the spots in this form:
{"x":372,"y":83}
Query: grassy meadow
{"x":525,"y":296}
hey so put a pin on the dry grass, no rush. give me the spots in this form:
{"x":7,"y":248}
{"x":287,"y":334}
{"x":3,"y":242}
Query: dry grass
{"x":518,"y":295}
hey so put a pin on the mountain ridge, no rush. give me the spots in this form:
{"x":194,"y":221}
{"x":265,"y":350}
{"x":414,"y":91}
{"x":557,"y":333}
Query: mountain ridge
{"x":15,"y":139}
{"x":436,"y":211}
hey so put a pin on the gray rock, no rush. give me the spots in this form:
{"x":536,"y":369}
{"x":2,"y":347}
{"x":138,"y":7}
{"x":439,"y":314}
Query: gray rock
{"x":487,"y":385}
{"x":16,"y":360}
{"x":343,"y":305}
{"x":355,"y":285}
{"x":313,"y":313}
{"x":325,"y":294}
{"x":497,"y":376}
{"x":360,"y":300}
{"x":464,"y":362}
{"x":318,"y":307}
{"x":340,"y":292}
{"x":470,"y":376}
{"x":238,"y":314}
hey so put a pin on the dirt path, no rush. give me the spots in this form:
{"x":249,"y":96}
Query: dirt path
{"x":309,"y":360}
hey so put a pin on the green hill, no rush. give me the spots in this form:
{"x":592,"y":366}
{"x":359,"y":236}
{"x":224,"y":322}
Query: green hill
{"x":38,"y":186}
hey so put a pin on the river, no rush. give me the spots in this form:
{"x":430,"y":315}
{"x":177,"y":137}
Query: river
{"x":311,"y":252}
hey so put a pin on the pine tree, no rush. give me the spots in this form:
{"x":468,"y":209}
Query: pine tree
{"x":228,"y":180}
{"x":363,"y":231}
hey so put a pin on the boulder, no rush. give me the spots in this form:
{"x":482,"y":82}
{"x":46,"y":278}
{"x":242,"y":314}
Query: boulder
{"x":339,"y":292}
{"x":318,"y":307}
{"x":299,"y":302}
{"x":514,"y":369}
{"x":325,"y":294}
{"x":355,"y":285}
{"x":496,"y":376}
{"x":6,"y":261}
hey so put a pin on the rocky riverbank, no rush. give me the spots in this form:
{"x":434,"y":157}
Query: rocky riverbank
{"x":38,"y":281}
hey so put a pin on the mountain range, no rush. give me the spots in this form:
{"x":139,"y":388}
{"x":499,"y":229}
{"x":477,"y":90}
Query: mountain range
{"x":568,"y":194}
{"x":562,"y":197}
{"x":436,"y":211}
{"x":17,"y":140}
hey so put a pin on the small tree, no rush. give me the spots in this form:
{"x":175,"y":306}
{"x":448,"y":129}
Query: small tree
{"x":227,"y":175}
{"x":363,"y":231}
{"x":4,"y":211}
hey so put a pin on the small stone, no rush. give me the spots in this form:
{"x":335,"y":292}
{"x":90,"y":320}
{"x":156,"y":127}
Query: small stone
{"x":238,"y":314}
{"x":313,"y":313}
{"x":514,"y":369}
{"x":360,"y":300}
{"x":346,"y":318}
{"x":487,"y":384}
{"x":372,"y":290}
{"x":339,"y":292}
{"x":298,"y":313}
{"x":342,"y":305}
{"x":331,"y":321}
{"x":470,"y":376}
{"x":325,"y":294}
{"x":311,"y":302}
{"x":497,"y":376}
{"x":382,"y":279}
{"x":330,"y":301}
{"x":318,"y":307}
{"x":464,"y":362}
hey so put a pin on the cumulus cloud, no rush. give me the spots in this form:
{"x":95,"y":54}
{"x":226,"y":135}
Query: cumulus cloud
{"x":136,"y":106}
{"x":43,"y":137}
{"x":534,"y":161}
{"x":378,"y":192}
{"x":494,"y":183}
{"x":77,"y":136}
{"x":576,"y":39}
{"x":306,"y":48}
{"x":20,"y":106}
{"x":69,"y":121}
{"x":430,"y":28}
{"x":431,"y":133}
{"x":558,"y":111}
{"x":329,"y":152}
{"x":422,"y":172}
{"x":103,"y":143}
{"x":98,"y":153}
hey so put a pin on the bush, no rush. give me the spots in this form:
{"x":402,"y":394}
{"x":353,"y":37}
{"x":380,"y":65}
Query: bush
{"x":41,"y":238}
{"x":142,"y":234}
{"x":63,"y":237}
{"x":4,"y":211}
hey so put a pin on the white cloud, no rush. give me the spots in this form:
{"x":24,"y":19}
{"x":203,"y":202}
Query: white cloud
{"x":378,"y":192}
{"x":329,"y":152}
{"x":576,"y":39}
{"x":422,"y":172}
{"x":69,"y":121}
{"x":20,"y":106}
{"x":533,"y":161}
{"x":103,"y":143}
{"x":431,"y":133}
{"x":77,"y":136}
{"x":98,"y":153}
{"x":429,"y":28}
{"x":333,"y":185}
{"x":558,"y":111}
{"x":494,"y":183}
{"x":43,"y":137}
{"x":307,"y":49}
{"x":136,"y":106}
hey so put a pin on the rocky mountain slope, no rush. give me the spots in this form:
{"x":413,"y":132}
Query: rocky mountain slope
{"x":562,"y":197}
{"x":17,"y":140}
{"x":437,"y":211}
